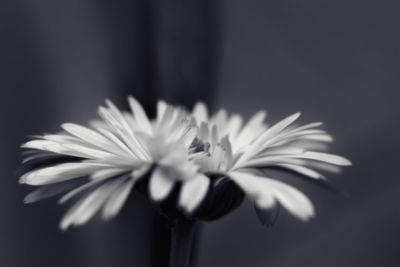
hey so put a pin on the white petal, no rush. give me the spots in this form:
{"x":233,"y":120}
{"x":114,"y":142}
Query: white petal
{"x":303,"y":170}
{"x":250,"y":130}
{"x":62,"y":138}
{"x":101,"y":176}
{"x":47,"y":191}
{"x":117,"y":121}
{"x":38,"y":155}
{"x":265,"y":191}
{"x":77,"y":190}
{"x":160,"y":184}
{"x":325,"y":157}
{"x":117,"y":141}
{"x":200,"y":113}
{"x":106,"y":173}
{"x":87,"y":135}
{"x":193,"y":192}
{"x":275,"y":129}
{"x":214,"y":137}
{"x":117,"y":199}
{"x":84,"y":209}
{"x":59,"y":173}
{"x":140,"y":115}
{"x":281,"y":150}
{"x":233,"y":127}
{"x":98,"y":123}
{"x":228,"y":156}
{"x":189,"y":137}
{"x":161,"y":107}
{"x":204,"y":132}
{"x":322,"y":166}
{"x":38,"y":144}
{"x":220,"y":119}
{"x":319,"y":137}
{"x":308,"y":155}
{"x":70,"y":149}
{"x":166,"y":119}
{"x":308,"y":126}
{"x":255,"y":187}
{"x":86,"y":152}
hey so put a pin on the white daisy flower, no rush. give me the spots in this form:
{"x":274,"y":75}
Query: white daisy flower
{"x":99,"y":165}
{"x":242,"y":154}
{"x":212,"y":162}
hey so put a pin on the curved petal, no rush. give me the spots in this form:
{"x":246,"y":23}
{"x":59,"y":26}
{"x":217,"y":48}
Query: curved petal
{"x":193,"y":192}
{"x":140,"y":115}
{"x":83,"y":210}
{"x":266,"y":191}
{"x":200,"y":113}
{"x":59,"y":173}
{"x":117,"y":199}
{"x":160,"y":184}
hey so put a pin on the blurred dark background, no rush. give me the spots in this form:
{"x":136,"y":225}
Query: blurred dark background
{"x":336,"y":61}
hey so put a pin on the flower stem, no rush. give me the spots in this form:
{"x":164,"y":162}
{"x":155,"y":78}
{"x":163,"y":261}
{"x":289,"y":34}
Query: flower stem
{"x":182,"y":238}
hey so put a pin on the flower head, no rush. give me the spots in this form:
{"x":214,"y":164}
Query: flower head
{"x":111,"y":156}
{"x":244,"y":154}
{"x":192,"y":164}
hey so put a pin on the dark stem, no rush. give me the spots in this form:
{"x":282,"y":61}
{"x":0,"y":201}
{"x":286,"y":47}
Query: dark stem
{"x":182,"y":238}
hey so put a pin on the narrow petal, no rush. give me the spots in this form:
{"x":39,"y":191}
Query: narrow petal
{"x":303,"y":170}
{"x":220,"y":119}
{"x":140,"y":115}
{"x":228,"y":156}
{"x":117,"y":199}
{"x":250,"y":131}
{"x":319,"y":137}
{"x":166,"y":119}
{"x":322,"y":166}
{"x":189,"y":137}
{"x":308,"y":126}
{"x":325,"y":157}
{"x":50,"y":191}
{"x":116,"y":121}
{"x":275,"y":129}
{"x":106,"y":173}
{"x":214,"y":137}
{"x":62,"y":138}
{"x":204,"y":132}
{"x":87,"y":135}
{"x":265,"y":191}
{"x":86,"y":151}
{"x":233,"y":127}
{"x":193,"y":192}
{"x":161,"y":107}
{"x":92,"y":183}
{"x":38,"y":144}
{"x":200,"y":113}
{"x":308,"y":155}
{"x":59,"y":173}
{"x":70,"y":149}
{"x":117,"y":142}
{"x":160,"y":184}
{"x":255,"y":187}
{"x":84,"y":209}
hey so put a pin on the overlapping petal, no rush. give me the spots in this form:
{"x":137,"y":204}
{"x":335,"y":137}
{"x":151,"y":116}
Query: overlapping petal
{"x":99,"y":165}
{"x":240,"y":151}
{"x":109,"y":157}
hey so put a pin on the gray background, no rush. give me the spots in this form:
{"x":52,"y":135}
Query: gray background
{"x":335,"y":61}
